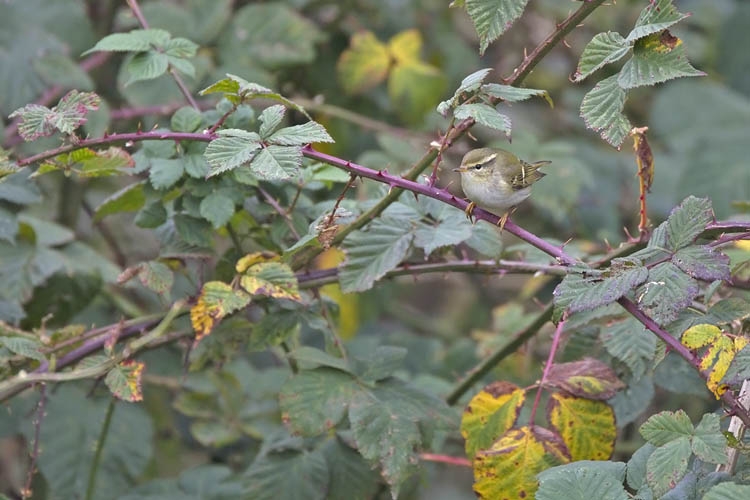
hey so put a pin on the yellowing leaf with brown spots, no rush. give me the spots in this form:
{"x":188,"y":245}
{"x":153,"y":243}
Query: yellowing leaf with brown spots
{"x":364,"y":64}
{"x":124,"y":381}
{"x":587,"y":426}
{"x":216,"y":300}
{"x":490,"y":414}
{"x":272,"y":279}
{"x":507,"y":471}
{"x":721,"y":350}
{"x":588,"y":378}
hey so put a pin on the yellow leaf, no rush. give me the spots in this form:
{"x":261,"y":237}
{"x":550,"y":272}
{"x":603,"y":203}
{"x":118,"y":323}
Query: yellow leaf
{"x":507,"y":471}
{"x":721,"y":350}
{"x":216,"y":300}
{"x":700,"y":336}
{"x":490,"y":414}
{"x":587,"y":426}
{"x":364,"y":64}
{"x":405,"y":46}
{"x":255,"y":258}
{"x":272,"y":279}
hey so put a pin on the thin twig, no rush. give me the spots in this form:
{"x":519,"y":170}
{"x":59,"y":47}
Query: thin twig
{"x":133,"y":4}
{"x":99,"y":447}
{"x":463,"y":385}
{"x":331,"y":326}
{"x":545,"y":374}
{"x":320,"y":277}
{"x":27,"y":492}
{"x":280,"y":210}
{"x":445,"y":459}
{"x":223,"y":118}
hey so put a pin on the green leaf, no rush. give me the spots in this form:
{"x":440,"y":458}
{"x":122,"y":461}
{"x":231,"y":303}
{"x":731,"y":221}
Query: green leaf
{"x":666,"y":426}
{"x":374,"y":252}
{"x":233,"y":148}
{"x":24,"y":347}
{"x":708,"y":443}
{"x":485,"y":239}
{"x":58,"y":69}
{"x":381,"y":363}
{"x":237,"y":90}
{"x":514,"y":94}
{"x":636,"y":469}
{"x":70,"y":434}
{"x":686,"y":222}
{"x":702,"y":262}
{"x":287,"y":475}
{"x":186,"y":119}
{"x":492,"y":17}
{"x":181,"y":48}
{"x":128,"y":199}
{"x":274,"y":163}
{"x":656,"y":58}
{"x":667,"y":291}
{"x":70,"y":113}
{"x":315,"y":401}
{"x":196,"y":166}
{"x":667,"y":465}
{"x":603,"y":49}
{"x":601,"y":110}
{"x":655,"y":17}
{"x":727,"y":491}
{"x":156,"y":276}
{"x":146,"y":66}
{"x":8,"y":225}
{"x":631,"y":343}
{"x":151,"y":215}
{"x":217,"y":208}
{"x":18,"y":188}
{"x":580,"y":483}
{"x":451,"y":231}
{"x":351,"y":477}
{"x":133,"y":41}
{"x":205,"y":482}
{"x":273,"y":329}
{"x":485,"y":115}
{"x":270,"y":119}
{"x":299,"y":135}
{"x":24,"y":266}
{"x":192,"y":230}
{"x":468,"y":85}
{"x":578,"y":293}
{"x":164,"y":173}
{"x":271,"y":35}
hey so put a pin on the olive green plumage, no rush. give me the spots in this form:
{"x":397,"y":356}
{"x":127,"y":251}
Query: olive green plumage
{"x":497,"y":180}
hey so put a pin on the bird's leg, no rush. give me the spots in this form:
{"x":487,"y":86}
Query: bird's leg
{"x":504,"y":218}
{"x":469,"y":211}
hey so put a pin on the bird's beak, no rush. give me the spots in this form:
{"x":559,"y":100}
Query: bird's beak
{"x":460,"y":169}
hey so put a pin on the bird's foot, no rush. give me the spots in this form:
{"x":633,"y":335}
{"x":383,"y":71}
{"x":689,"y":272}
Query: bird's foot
{"x":469,"y":212}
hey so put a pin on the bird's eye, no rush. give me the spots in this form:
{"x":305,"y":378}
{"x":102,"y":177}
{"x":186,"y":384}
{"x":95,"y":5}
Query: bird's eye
{"x":478,"y":167}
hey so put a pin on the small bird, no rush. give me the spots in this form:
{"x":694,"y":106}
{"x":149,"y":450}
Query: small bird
{"x":497,"y":180}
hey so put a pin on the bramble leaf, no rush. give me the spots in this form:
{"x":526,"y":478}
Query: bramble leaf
{"x":657,"y":58}
{"x":655,"y":17}
{"x":587,"y":427}
{"x":666,"y":292}
{"x":276,"y":162}
{"x":484,"y":114}
{"x":216,"y":301}
{"x":721,"y":351}
{"x":581,"y":480}
{"x":133,"y":41}
{"x":299,"y":135}
{"x":514,"y":94}
{"x":492,"y":18}
{"x":373,"y":252}
{"x":603,"y":49}
{"x":702,"y":262}
{"x":272,"y":279}
{"x":508,"y":469}
{"x":490,"y":414}
{"x":601,"y":110}
{"x":287,"y":474}
{"x":578,"y":293}
{"x":124,"y":381}
{"x":588,"y":378}
{"x":233,"y":148}
{"x":470,"y":84}
{"x":364,"y":64}
{"x":684,"y":224}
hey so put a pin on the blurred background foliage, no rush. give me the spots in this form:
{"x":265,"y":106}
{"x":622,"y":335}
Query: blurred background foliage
{"x":383,"y":117}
